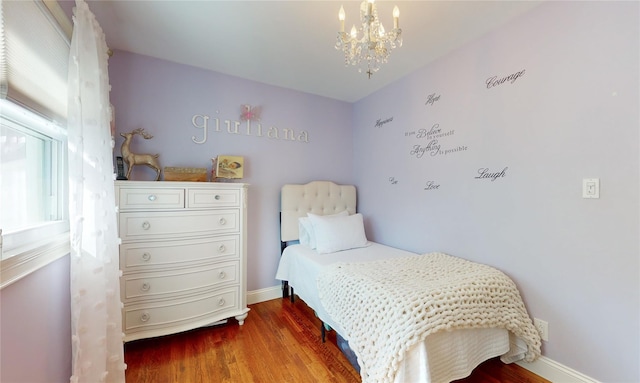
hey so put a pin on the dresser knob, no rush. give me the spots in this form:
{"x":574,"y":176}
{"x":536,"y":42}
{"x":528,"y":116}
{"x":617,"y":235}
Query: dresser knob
{"x":222,"y":275}
{"x":221,"y":302}
{"x":217,"y":197}
{"x":223,"y":221}
{"x":152,"y":197}
{"x":145,"y":317}
{"x":145,"y":286}
{"x":146,"y":257}
{"x":221,"y":249}
{"x":146,"y":225}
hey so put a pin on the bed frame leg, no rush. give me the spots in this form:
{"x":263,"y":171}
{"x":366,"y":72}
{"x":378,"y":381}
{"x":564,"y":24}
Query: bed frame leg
{"x":287,"y":291}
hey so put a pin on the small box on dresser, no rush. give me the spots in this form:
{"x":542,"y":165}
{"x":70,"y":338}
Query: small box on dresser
{"x":182,"y":256}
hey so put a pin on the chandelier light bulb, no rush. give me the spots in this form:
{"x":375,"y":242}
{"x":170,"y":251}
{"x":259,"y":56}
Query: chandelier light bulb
{"x":341,"y":17}
{"x":396,"y":16}
{"x":354,"y":32}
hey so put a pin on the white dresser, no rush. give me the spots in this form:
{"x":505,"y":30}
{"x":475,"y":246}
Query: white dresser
{"x":182,"y":256}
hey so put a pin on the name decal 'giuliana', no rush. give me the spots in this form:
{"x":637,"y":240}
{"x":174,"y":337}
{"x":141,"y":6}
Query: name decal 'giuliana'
{"x":201,"y":121}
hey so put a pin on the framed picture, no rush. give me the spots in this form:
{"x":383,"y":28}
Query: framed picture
{"x":230,"y":167}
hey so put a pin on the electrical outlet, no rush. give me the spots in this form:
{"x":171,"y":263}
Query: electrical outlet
{"x":542,"y":327}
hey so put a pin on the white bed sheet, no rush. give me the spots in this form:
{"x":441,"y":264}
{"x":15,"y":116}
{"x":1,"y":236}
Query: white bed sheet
{"x":442,"y":357}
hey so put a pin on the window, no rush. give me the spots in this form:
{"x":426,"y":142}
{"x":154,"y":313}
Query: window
{"x":31,"y":160}
{"x":31,"y":178}
{"x":34,"y":54}
{"x":33,"y":199}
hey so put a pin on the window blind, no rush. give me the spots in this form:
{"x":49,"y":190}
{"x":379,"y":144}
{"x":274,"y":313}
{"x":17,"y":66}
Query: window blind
{"x":34,"y":56}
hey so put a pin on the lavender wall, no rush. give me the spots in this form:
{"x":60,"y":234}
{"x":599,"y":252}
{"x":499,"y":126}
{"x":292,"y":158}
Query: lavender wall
{"x":35,"y":327}
{"x":572,"y":113}
{"x":163,"y":97}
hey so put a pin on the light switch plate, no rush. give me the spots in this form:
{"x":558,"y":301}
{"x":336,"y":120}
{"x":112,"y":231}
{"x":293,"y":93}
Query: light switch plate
{"x":591,"y":188}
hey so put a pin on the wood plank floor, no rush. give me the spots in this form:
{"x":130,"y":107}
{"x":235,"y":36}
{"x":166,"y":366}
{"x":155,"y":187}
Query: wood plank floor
{"x":279,"y":342}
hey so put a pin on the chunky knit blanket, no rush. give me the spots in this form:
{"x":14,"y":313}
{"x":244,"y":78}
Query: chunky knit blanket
{"x":387,"y":306}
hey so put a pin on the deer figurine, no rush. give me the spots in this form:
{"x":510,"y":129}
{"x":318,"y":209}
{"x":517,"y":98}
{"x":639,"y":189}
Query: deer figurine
{"x":132,"y":159}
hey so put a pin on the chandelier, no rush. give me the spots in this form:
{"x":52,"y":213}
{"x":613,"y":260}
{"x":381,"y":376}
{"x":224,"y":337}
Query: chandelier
{"x":368,"y":46}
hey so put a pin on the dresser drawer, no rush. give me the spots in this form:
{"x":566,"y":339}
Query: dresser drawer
{"x":210,"y":198}
{"x":178,"y":282}
{"x":151,"y":198}
{"x":167,"y":225}
{"x":139,"y":256}
{"x":165,"y":314}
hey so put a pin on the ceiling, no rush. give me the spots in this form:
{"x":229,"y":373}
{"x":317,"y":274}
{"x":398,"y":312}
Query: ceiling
{"x":291,"y":43}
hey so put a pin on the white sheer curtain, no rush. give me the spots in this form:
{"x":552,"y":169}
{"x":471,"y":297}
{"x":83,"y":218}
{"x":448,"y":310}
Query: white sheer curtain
{"x":98,"y":354}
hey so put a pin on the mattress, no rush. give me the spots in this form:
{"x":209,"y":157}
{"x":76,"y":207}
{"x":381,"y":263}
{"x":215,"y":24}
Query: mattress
{"x":442,"y":357}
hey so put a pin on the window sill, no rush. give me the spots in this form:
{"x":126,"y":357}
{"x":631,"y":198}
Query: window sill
{"x":24,"y":261}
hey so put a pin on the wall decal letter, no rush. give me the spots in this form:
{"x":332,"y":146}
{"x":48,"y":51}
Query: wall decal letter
{"x":304,"y":136}
{"x":203,"y":126}
{"x":249,"y":132}
{"x":273,"y":132}
{"x":236,"y":127}
{"x":288,"y":134}
{"x":217,"y":123}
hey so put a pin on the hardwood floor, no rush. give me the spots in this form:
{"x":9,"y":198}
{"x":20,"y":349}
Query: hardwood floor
{"x":279,"y":342}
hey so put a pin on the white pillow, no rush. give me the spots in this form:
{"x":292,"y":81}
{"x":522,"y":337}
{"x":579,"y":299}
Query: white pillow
{"x":338,"y":233}
{"x":306,"y":235}
{"x":305,"y":232}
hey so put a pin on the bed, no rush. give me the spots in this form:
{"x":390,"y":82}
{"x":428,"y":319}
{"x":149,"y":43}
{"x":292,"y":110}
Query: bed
{"x":400,"y":311}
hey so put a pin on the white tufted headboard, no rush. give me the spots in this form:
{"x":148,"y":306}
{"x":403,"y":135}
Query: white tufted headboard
{"x":318,"y":197}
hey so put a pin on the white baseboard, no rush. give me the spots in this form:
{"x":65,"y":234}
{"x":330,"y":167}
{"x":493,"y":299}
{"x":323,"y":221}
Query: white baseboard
{"x":257,"y":296}
{"x":556,"y":372}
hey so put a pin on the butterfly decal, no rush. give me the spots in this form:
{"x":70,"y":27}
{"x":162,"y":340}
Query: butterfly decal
{"x":250,"y":113}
